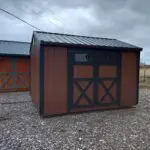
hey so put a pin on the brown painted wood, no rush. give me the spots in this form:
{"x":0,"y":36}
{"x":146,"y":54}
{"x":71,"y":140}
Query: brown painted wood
{"x":95,"y":108}
{"x":55,"y":80}
{"x":15,"y":90}
{"x":104,"y":72}
{"x":107,"y":71}
{"x":86,"y":71}
{"x":102,"y":92}
{"x":23,"y":64}
{"x":14,"y":77}
{"x":34,"y":74}
{"x":129,"y":78}
{"x":5,"y":64}
{"x":77,"y":92}
{"x":83,"y":71}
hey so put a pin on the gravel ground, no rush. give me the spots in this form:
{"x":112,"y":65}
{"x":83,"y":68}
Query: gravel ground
{"x":21,"y":128}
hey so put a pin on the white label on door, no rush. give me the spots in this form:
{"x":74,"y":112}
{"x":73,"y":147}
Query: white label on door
{"x":81,"y":57}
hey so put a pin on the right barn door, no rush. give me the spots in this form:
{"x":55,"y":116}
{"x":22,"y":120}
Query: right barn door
{"x":93,"y":80}
{"x":107,"y":78}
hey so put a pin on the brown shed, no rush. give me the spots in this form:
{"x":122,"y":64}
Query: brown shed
{"x":14,"y":66}
{"x":72,"y":73}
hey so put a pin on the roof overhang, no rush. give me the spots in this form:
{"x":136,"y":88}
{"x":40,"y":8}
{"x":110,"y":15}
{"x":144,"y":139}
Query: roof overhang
{"x":14,"y":55}
{"x":45,"y":43}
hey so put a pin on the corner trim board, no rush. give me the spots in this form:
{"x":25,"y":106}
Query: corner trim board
{"x":120,"y":79}
{"x":41,"y":87}
{"x":137,"y":75}
{"x":69,"y":78}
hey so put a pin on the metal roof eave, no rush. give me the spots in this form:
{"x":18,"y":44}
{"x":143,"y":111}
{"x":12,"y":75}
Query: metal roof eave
{"x":45,"y":43}
{"x":22,"y":55}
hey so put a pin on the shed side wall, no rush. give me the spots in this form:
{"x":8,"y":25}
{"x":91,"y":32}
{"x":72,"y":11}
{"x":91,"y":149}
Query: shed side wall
{"x":34,"y":63}
{"x":129,"y":78}
{"x":14,"y":73}
{"x":55,"y":80}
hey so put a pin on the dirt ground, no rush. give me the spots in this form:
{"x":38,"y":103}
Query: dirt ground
{"x":21,"y":128}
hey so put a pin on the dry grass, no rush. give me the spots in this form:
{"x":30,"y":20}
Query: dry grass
{"x":144,"y":77}
{"x":145,"y":71}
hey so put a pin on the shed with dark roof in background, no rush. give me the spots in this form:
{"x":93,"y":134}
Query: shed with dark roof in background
{"x":71,"y":73}
{"x":14,"y":66}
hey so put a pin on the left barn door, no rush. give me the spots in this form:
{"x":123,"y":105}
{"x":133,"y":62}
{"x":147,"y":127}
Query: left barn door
{"x":81,"y":80}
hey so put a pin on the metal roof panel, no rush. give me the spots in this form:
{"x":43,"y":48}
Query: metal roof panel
{"x":82,"y":40}
{"x":14,"y":48}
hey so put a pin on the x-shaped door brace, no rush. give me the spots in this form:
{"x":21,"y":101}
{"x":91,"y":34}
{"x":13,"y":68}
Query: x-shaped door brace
{"x":5,"y":81}
{"x":107,"y":90}
{"x":23,"y":83}
{"x":83,"y":93}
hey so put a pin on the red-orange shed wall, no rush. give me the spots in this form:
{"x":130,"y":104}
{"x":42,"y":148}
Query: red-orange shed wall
{"x":55,"y":80}
{"x":22,"y":65}
{"x":129,"y":79}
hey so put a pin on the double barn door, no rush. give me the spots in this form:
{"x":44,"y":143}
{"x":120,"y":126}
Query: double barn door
{"x":14,"y":74}
{"x":93,"y":79}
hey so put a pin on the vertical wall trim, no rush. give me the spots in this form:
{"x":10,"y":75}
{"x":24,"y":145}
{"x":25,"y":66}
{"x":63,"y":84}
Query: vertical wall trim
{"x":41,"y":86}
{"x":120,"y":79}
{"x":95,"y":84}
{"x":70,"y":84}
{"x":30,"y":76}
{"x":30,"y":69}
{"x":14,"y":72}
{"x":137,"y":76}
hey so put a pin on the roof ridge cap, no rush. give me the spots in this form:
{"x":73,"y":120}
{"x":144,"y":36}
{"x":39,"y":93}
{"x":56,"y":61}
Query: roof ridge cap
{"x":74,"y":35}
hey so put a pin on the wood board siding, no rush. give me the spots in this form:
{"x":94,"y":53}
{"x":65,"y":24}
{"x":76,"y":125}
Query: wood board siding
{"x":129,"y":79}
{"x":55,"y":92}
{"x":55,"y":101}
{"x":106,"y":71}
{"x":35,"y":75}
{"x":14,"y":73}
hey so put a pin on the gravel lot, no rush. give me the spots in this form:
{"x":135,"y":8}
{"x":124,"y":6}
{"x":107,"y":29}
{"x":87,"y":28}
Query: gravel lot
{"x":21,"y":128}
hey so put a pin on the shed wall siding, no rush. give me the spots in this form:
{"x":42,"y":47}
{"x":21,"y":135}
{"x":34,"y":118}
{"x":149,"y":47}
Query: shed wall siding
{"x":14,"y":73}
{"x":23,"y":64}
{"x":55,"y":80}
{"x":23,"y":69}
{"x":35,"y":75}
{"x":129,"y":78}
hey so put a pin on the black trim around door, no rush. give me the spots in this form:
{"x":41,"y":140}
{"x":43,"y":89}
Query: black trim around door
{"x":137,"y":76}
{"x":94,"y":59}
{"x":41,"y":82}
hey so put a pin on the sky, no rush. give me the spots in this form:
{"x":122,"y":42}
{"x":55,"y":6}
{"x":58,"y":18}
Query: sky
{"x":126,"y":20}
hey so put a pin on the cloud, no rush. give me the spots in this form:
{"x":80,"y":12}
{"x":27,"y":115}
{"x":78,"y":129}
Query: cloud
{"x":126,"y":20}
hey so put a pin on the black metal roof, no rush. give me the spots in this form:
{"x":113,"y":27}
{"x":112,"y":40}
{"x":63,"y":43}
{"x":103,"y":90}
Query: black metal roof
{"x":84,"y":41}
{"x":14,"y":48}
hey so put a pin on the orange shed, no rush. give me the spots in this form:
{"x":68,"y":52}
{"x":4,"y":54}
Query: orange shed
{"x":14,"y":66}
{"x":71,"y":73}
